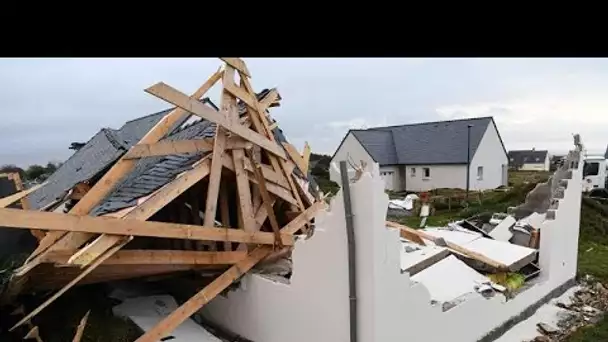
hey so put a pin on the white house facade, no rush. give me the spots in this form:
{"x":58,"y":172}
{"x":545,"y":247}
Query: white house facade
{"x":529,"y":160}
{"x":421,"y":157}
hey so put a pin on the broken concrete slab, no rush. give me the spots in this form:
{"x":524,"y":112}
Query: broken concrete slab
{"x":146,"y":312}
{"x":450,"y":279}
{"x":502,"y":231}
{"x":415,"y":258}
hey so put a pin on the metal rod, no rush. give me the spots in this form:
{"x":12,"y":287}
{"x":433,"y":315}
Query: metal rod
{"x":468,"y":161}
{"x":350,"y":236}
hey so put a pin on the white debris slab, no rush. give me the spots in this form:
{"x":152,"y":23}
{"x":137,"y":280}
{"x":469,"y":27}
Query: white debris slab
{"x":449,"y":279}
{"x":414,"y":257}
{"x":513,"y":256}
{"x":460,"y":238}
{"x":501,"y":232}
{"x":146,"y":312}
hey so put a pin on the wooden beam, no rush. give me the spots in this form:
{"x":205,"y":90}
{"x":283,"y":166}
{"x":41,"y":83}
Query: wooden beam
{"x":259,"y":119}
{"x":57,"y":240}
{"x":306,"y":157}
{"x":21,"y":219}
{"x":177,"y":98}
{"x":238,"y":64}
{"x":166,"y":147}
{"x":296,"y":157}
{"x":144,"y":211}
{"x":214,"y":177}
{"x":177,"y":317}
{"x":225,"y":213}
{"x":244,"y":193}
{"x":80,"y":328}
{"x":407,"y":233}
{"x":157,"y":257}
{"x":8,"y":200}
{"x":88,"y":270}
{"x":266,"y":201}
{"x":302,"y":219}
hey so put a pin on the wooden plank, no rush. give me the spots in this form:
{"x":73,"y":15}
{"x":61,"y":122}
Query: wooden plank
{"x":8,"y":200}
{"x":145,"y":210}
{"x":244,"y":193}
{"x":238,"y":64}
{"x":21,"y":219}
{"x":84,"y":273}
{"x":166,"y":147}
{"x":80,"y":328}
{"x":302,"y":219}
{"x":158,"y":257}
{"x":203,"y":297}
{"x":406,"y":233}
{"x":257,"y":114}
{"x":177,"y":98}
{"x":261,"y":215}
{"x":296,"y":157}
{"x":272,"y":97}
{"x":109,"y":180}
{"x":306,"y":157}
{"x":214,"y":178}
{"x":266,"y":201}
{"x":225,"y":213}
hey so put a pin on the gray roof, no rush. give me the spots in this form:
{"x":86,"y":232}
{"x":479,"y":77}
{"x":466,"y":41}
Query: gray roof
{"x":441,"y":142}
{"x":521,"y":157}
{"x":102,"y":150}
{"x":149,"y":174}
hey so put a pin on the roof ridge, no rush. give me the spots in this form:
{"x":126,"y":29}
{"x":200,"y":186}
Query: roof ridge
{"x":382,"y":128}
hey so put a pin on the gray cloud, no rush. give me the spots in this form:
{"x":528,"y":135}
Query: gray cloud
{"x":47,"y":103}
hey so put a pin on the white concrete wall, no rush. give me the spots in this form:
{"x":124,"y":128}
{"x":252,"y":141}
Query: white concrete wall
{"x":491,"y":156}
{"x":442,"y":176}
{"x":350,"y":150}
{"x":314,"y":307}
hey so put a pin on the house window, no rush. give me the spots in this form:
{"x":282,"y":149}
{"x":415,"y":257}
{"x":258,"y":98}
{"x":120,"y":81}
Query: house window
{"x":413,"y":172}
{"x":480,"y":172}
{"x":426,"y":172}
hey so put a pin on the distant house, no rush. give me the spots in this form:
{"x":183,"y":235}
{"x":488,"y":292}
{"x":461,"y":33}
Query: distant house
{"x":425,"y":156}
{"x":529,"y":160}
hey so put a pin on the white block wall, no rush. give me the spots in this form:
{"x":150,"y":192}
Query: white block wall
{"x":315,"y":305}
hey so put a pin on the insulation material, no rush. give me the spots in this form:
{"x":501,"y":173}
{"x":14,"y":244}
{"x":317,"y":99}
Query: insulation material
{"x":508,"y":254}
{"x":146,"y":312}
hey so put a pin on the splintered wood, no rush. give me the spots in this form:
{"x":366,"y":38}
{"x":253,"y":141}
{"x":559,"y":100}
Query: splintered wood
{"x":243,"y":199}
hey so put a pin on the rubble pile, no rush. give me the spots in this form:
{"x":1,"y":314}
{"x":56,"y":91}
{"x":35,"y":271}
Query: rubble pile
{"x":587,"y":306}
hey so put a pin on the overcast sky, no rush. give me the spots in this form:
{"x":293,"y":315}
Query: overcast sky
{"x":45,"y":104}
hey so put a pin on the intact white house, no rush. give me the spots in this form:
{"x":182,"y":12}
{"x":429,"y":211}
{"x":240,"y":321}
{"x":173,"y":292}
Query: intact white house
{"x":432,"y":155}
{"x":529,"y":160}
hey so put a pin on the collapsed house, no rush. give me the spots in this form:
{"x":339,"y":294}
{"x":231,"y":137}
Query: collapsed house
{"x":198,"y":187}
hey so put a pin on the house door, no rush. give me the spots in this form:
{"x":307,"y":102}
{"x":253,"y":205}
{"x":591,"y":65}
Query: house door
{"x":388,"y":179}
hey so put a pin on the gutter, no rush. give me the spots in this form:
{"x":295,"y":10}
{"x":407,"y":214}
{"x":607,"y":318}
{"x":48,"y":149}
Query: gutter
{"x":350,"y":235}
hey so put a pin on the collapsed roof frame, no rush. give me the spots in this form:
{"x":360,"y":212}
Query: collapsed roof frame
{"x":240,"y":146}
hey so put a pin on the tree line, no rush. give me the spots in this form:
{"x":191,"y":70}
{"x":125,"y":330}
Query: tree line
{"x":33,"y":172}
